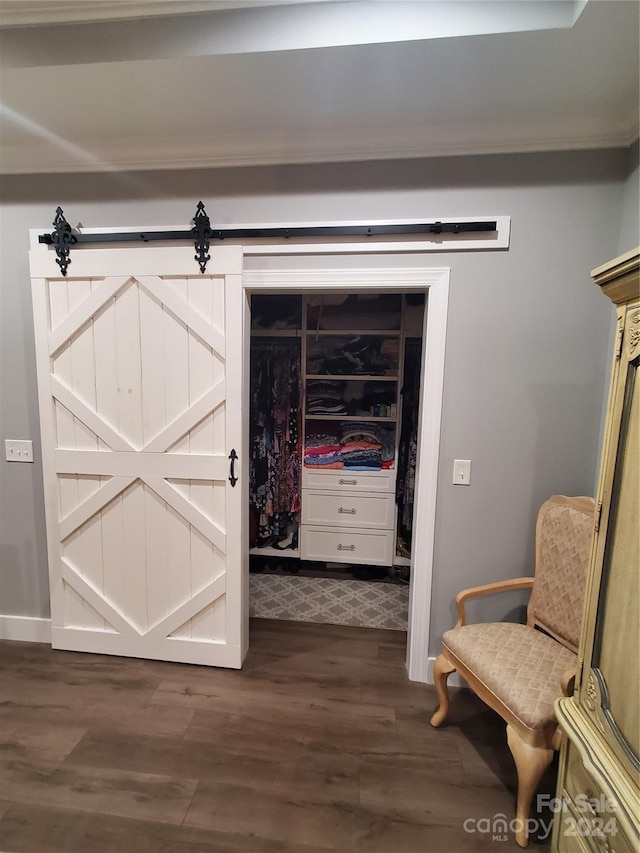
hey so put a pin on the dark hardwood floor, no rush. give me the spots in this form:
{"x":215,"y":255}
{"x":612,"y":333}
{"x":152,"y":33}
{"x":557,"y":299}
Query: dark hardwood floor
{"x":319,"y":743}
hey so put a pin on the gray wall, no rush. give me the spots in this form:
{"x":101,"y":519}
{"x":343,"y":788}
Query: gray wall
{"x":527,"y":345}
{"x":630,"y":224}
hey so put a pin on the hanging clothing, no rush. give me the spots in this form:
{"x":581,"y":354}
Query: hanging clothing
{"x":406,"y":480}
{"x":275,"y":440}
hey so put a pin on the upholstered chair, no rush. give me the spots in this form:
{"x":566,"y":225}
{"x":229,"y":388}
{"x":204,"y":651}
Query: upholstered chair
{"x":520,"y":670}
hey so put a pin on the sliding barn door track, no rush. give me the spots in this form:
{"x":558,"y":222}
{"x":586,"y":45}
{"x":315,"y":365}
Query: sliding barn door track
{"x":63,"y":237}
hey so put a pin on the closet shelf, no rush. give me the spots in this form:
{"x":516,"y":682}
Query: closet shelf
{"x":276,"y":333}
{"x":366,"y":418}
{"x":274,"y":552}
{"x":356,"y":333}
{"x":351,"y":377}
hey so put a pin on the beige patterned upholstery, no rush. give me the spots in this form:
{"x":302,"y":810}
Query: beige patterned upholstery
{"x":520,"y":666}
{"x":520,"y":670}
{"x":563,"y":542}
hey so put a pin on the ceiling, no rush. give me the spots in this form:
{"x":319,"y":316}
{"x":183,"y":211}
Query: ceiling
{"x":23,"y":13}
{"x":90,"y":85}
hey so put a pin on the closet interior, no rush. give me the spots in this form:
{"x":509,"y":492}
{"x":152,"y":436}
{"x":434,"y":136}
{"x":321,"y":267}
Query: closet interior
{"x":334,"y":396}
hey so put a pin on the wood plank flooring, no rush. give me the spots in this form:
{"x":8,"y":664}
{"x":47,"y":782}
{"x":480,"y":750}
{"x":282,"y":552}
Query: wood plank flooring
{"x":320,"y":743}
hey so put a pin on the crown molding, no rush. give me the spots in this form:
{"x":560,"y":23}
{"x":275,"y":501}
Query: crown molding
{"x":177,"y":153}
{"x":18,"y":13}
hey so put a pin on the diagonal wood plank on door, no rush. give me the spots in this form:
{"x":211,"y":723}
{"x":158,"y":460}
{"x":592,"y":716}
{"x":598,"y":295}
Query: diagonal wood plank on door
{"x":93,"y":504}
{"x":188,"y":511}
{"x":77,"y":407}
{"x":189,"y":609}
{"x":184,"y":312}
{"x":84,"y":312}
{"x":188,"y":419}
{"x":97,"y":600}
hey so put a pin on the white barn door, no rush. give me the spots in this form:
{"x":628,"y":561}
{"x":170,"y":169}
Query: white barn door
{"x":139,"y":361}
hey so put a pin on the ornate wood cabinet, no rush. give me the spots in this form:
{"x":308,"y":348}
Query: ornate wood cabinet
{"x":599,"y":761}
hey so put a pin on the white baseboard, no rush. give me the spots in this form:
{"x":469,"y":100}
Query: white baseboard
{"x":455,"y":680}
{"x":30,"y":629}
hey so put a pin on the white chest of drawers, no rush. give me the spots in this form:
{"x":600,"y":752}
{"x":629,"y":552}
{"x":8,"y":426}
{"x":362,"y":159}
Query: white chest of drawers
{"x":348,"y":516}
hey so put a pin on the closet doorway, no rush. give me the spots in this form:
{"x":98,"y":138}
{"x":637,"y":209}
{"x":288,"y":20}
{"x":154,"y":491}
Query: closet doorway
{"x":334,"y":345}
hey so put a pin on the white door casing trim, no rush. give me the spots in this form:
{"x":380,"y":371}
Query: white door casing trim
{"x":435,"y":282}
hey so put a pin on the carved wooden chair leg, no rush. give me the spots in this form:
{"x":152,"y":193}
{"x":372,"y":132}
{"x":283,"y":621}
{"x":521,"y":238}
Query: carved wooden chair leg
{"x":531,"y":762}
{"x":442,"y":669}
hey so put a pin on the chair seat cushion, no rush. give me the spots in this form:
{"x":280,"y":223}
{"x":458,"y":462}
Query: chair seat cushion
{"x":521,"y":666}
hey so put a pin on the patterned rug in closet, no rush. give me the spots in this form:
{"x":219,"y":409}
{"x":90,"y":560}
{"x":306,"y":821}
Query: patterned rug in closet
{"x":337,"y":602}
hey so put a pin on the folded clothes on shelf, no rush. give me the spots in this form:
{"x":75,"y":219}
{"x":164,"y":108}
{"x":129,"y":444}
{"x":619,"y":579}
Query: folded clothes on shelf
{"x":322,"y":439}
{"x":326,"y":386}
{"x":327,"y":466}
{"x":323,"y":448}
{"x":360,"y":438}
{"x":325,"y":407}
{"x":357,"y":445}
{"x":323,"y":458}
{"x":369,"y":458}
{"x":388,"y":442}
{"x":360,"y":445}
{"x":359,"y":431}
{"x":325,"y":397}
{"x":360,"y":355}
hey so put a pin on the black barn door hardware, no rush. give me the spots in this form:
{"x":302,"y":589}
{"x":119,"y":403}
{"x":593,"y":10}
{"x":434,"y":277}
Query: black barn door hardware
{"x":202,"y":232}
{"x":232,"y":467}
{"x":63,"y":237}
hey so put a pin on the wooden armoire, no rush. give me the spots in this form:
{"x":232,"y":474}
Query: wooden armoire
{"x":598,"y":801}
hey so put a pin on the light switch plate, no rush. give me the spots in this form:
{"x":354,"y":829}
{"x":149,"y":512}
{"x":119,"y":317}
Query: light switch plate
{"x":18,"y":450}
{"x":461,"y":472}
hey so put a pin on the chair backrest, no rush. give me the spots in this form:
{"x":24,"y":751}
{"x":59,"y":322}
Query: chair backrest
{"x":563,"y":543}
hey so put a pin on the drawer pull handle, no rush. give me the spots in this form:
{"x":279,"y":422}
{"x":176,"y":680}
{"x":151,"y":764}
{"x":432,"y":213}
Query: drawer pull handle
{"x":346,"y":547}
{"x":348,"y":482}
{"x":347,"y":511}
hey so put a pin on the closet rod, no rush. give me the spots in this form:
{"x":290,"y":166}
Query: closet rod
{"x":63,"y":237}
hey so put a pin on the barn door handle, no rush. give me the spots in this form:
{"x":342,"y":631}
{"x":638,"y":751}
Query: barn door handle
{"x":232,"y":468}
